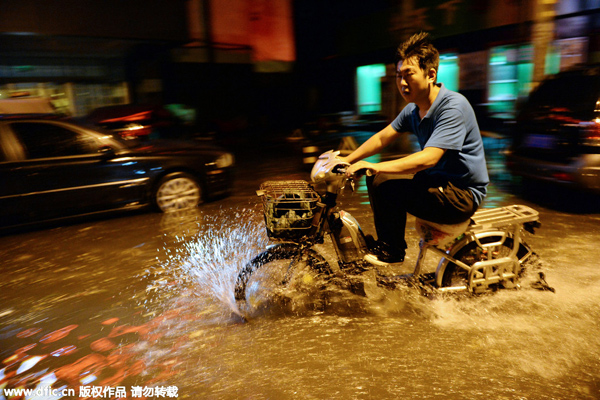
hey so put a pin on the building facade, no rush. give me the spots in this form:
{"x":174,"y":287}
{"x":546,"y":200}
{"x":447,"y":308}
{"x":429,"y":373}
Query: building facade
{"x":283,"y":59}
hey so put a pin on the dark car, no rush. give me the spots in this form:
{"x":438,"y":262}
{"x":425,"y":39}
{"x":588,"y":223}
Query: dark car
{"x":52,"y":168}
{"x":557,"y":132}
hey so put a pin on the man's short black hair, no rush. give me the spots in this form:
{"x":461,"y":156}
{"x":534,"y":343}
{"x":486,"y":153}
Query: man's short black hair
{"x":419,"y":46}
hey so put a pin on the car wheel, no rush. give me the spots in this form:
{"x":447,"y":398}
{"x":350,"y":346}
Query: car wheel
{"x":177,"y":192}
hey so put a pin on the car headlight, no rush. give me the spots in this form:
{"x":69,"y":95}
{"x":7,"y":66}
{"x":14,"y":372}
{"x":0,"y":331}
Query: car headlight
{"x":225,"y":160}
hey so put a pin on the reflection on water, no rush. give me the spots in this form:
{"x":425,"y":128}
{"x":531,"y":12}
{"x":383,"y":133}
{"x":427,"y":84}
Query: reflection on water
{"x":170,"y":320}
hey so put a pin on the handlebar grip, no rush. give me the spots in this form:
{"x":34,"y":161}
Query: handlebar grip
{"x":363,"y":171}
{"x":340,"y":169}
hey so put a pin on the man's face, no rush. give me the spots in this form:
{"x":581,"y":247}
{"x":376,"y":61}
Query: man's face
{"x":412,"y":81}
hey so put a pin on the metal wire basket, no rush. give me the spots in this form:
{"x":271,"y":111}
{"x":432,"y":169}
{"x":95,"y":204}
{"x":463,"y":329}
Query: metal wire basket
{"x":289,"y":207}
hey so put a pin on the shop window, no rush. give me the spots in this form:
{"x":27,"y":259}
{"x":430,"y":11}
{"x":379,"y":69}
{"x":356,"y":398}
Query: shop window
{"x":368,"y":85}
{"x":552,"y":64}
{"x":565,"y":53}
{"x":75,"y":99}
{"x":448,"y":71}
{"x":571,"y":52}
{"x":90,"y":96}
{"x":510,"y":74}
{"x":511,"y":70}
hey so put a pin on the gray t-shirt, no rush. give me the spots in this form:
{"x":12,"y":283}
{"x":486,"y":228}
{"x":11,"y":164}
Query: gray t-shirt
{"x":450,"y":124}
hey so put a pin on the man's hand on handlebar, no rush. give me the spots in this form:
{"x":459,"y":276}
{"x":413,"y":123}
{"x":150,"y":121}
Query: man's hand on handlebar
{"x":360,"y":168}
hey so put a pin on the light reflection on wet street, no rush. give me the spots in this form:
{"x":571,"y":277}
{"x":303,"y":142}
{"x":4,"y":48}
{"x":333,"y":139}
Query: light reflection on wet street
{"x":147,"y":300}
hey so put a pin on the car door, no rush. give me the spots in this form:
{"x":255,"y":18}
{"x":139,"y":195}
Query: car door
{"x":62,"y":172}
{"x":11,"y":211}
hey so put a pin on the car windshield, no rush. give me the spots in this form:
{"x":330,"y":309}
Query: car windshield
{"x":576,"y":94}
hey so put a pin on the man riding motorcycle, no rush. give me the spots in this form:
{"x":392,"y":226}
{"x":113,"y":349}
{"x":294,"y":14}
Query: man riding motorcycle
{"x":450,"y":173}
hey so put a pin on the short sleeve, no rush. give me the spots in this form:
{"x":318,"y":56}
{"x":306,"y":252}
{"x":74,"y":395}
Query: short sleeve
{"x":450,"y":131}
{"x":402,"y":123}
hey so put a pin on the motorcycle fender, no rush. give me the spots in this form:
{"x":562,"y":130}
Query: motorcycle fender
{"x":354,"y":229}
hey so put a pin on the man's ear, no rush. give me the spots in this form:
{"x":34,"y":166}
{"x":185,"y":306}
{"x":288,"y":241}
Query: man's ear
{"x":432,"y":75}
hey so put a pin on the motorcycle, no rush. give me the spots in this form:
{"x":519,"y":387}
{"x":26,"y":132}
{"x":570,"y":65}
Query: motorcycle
{"x":480,"y":255}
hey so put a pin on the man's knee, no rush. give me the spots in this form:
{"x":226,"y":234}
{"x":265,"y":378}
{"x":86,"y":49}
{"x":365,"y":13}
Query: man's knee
{"x":385,"y":183}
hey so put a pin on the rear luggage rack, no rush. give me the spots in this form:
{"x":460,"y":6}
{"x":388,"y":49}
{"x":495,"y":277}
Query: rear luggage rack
{"x":502,"y":216}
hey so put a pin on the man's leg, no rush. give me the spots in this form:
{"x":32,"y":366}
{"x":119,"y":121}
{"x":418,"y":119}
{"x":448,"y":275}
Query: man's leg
{"x":388,"y":202}
{"x":392,"y":199}
{"x":444,"y":204}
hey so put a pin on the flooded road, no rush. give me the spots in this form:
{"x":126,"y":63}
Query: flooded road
{"x":144,"y":304}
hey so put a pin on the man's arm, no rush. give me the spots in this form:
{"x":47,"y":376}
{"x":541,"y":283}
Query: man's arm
{"x":373,"y":145}
{"x":424,"y":159}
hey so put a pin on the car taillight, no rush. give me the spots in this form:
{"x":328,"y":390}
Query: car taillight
{"x":591,"y":134}
{"x":563,"y":176}
{"x":135,"y":130}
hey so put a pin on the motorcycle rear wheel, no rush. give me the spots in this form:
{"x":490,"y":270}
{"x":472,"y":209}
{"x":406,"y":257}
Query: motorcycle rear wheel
{"x":471,"y":253}
{"x":276,"y":273}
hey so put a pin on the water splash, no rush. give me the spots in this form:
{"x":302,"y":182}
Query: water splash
{"x":213,"y":257}
{"x":553,"y":324}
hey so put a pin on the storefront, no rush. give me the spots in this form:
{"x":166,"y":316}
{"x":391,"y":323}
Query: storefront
{"x":88,"y":56}
{"x":72,"y":89}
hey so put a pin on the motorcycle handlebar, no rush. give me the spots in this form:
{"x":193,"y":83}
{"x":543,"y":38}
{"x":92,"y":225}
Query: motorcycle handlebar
{"x":341,"y":170}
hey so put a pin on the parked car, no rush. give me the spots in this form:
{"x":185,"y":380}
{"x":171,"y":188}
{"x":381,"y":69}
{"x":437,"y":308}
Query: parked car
{"x":557,"y":132}
{"x":52,"y":168}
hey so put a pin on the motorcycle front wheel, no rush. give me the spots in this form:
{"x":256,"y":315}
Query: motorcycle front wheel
{"x":277,"y":274}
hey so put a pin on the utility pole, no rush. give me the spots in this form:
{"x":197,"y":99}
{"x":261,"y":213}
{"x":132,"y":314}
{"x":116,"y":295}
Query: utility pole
{"x":542,"y":36}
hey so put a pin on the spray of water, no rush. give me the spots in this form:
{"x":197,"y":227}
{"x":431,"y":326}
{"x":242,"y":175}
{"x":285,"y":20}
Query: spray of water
{"x":213,"y":257}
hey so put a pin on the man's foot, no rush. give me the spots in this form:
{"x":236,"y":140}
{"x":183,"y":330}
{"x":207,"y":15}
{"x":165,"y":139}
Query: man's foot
{"x":383,"y":260}
{"x":380,"y":253}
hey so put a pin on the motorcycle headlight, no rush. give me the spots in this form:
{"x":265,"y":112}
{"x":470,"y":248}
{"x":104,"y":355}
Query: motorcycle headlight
{"x":225,"y":160}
